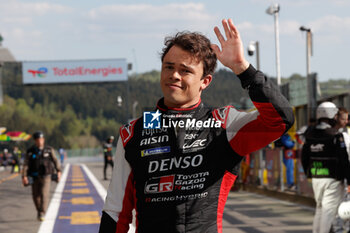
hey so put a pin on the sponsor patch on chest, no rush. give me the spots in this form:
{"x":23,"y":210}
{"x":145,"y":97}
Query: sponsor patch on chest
{"x":154,"y":140}
{"x":316,"y":147}
{"x":155,"y":151}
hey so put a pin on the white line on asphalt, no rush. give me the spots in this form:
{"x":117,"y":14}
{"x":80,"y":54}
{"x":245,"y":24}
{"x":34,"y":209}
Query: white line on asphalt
{"x":51,"y":214}
{"x":101,"y":190}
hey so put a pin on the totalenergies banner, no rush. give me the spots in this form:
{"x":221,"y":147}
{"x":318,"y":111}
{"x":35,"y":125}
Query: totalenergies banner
{"x":74,"y":71}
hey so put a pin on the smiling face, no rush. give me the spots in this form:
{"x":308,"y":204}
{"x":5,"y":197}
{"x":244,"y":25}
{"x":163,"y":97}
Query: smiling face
{"x":182,"y":80}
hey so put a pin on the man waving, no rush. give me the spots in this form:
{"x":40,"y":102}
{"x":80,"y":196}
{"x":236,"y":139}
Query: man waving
{"x":175,"y":166}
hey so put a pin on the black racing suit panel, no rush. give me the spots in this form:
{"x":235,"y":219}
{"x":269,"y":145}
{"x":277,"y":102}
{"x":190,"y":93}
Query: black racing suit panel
{"x":178,"y":176}
{"x":324,"y":154}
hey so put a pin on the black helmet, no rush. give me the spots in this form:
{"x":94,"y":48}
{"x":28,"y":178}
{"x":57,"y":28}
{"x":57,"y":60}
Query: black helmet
{"x":38,"y":134}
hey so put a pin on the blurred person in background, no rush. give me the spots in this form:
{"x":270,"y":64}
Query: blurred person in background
{"x":342,"y":121}
{"x":15,"y":160}
{"x":288,"y":158}
{"x":108,"y":157}
{"x":4,"y":158}
{"x":325,"y":160}
{"x":39,"y":164}
{"x":300,"y":134}
{"x":62,"y":154}
{"x":340,"y":225}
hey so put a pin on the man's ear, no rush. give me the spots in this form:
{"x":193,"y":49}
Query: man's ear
{"x":206,"y":81}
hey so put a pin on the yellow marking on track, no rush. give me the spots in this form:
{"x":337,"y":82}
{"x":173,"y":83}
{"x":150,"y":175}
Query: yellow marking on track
{"x":78,"y":191}
{"x":79,"y":184}
{"x":83,"y":218}
{"x":9,"y":177}
{"x":81,"y":201}
{"x":76,"y":172}
{"x":77,"y":179}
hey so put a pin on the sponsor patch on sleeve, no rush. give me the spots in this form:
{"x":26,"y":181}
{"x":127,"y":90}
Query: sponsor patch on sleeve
{"x":127,"y":132}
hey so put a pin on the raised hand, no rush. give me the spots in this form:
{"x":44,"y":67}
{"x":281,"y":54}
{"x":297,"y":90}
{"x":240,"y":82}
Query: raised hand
{"x":231,"y":54}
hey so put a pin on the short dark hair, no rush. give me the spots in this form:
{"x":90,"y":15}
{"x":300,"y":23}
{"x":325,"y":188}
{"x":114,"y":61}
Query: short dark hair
{"x":38,"y":134}
{"x":196,"y":44}
{"x":342,"y":110}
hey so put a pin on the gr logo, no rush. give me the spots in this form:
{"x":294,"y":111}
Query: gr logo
{"x":160,"y":184}
{"x":151,"y":120}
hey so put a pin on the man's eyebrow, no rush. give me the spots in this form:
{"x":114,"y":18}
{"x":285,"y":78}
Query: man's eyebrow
{"x":182,"y":65}
{"x":187,"y":67}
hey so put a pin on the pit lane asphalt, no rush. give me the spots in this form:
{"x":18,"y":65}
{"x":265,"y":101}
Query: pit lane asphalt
{"x":244,"y":211}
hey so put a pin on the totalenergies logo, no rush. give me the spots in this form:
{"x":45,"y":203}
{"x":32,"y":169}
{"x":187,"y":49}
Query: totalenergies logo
{"x":41,"y":72}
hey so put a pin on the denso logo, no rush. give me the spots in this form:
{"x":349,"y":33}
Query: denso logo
{"x":160,"y":184}
{"x":175,"y":162}
{"x":153,"y":140}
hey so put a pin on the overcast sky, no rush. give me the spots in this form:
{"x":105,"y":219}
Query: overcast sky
{"x":135,"y":30}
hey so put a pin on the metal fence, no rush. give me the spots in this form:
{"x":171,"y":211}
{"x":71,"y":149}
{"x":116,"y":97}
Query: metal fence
{"x":86,"y":152}
{"x":265,"y":168}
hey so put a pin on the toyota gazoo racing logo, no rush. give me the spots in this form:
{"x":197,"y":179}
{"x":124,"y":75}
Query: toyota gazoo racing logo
{"x":160,"y":184}
{"x":41,"y":72}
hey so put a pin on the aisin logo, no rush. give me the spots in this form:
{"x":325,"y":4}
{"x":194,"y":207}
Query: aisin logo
{"x":151,"y":120}
{"x":41,"y":72}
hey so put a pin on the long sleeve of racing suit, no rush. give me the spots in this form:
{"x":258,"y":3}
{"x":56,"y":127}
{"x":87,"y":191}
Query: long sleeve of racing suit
{"x":246,"y":132}
{"x":119,"y":201}
{"x":250,"y":131}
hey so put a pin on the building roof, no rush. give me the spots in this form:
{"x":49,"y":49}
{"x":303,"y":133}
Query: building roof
{"x":6,"y":55}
